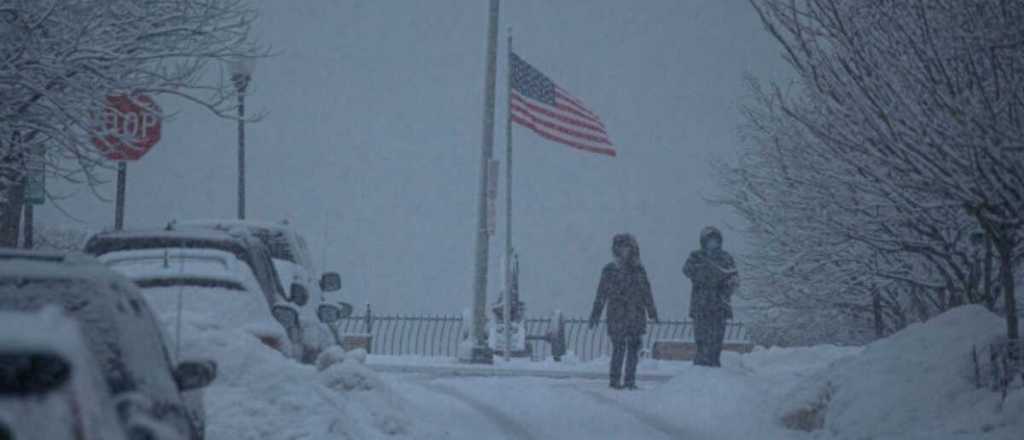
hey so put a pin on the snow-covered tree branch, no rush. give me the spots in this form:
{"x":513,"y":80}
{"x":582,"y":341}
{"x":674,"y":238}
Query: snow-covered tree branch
{"x":61,"y":59}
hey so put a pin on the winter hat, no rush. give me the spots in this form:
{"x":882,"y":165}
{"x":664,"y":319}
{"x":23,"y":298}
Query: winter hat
{"x":708,"y":233}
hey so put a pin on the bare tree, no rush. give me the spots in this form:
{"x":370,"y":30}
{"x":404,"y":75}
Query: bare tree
{"x":923,"y":99}
{"x":61,"y":59}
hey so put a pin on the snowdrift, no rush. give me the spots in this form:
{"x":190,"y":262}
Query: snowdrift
{"x":919,"y":383}
{"x":259,"y":394}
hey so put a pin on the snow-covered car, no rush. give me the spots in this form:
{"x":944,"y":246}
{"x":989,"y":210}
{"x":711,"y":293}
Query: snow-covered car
{"x":139,"y":253}
{"x":50,"y":385}
{"x":211,"y":283}
{"x":294,"y":264}
{"x":120,"y":331}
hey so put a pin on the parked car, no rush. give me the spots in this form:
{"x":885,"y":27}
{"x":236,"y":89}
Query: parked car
{"x":50,"y":385}
{"x":120,"y":331}
{"x":288,"y":248}
{"x":208,"y":282}
{"x":145,"y":248}
{"x":294,"y":264}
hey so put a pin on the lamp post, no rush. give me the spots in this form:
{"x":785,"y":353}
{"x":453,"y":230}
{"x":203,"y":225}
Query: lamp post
{"x":241,"y":74}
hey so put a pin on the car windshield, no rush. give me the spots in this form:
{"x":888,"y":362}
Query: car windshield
{"x":79,"y":298}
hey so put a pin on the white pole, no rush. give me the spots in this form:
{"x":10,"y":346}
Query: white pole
{"x":480,"y":353}
{"x":508,"y":203}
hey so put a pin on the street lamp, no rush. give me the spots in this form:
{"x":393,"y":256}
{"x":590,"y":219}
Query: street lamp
{"x":241,"y":73}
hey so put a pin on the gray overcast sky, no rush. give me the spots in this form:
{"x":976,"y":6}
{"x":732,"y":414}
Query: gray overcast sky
{"x":373,"y":136}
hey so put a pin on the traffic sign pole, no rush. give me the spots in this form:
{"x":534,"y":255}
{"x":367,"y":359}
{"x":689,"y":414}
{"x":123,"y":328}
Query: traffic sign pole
{"x":122,"y":171}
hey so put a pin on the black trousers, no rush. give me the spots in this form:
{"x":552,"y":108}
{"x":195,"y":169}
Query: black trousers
{"x":624,"y":348}
{"x":709,"y":333}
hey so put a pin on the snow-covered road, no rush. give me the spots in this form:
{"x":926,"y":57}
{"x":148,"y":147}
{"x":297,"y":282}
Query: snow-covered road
{"x":532,"y":408}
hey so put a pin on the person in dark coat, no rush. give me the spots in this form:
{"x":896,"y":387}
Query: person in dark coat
{"x":714,"y":276}
{"x":626,"y":292}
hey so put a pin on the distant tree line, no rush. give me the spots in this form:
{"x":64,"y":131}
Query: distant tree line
{"x":885,"y":183}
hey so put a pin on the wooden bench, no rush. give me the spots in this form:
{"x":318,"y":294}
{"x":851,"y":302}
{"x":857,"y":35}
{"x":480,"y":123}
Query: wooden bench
{"x":681,"y":350}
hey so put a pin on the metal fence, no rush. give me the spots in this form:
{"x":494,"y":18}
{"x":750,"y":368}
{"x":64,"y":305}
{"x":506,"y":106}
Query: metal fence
{"x":440,"y":335}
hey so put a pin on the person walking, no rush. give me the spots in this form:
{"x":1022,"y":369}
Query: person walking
{"x":626,"y":293}
{"x":713,"y":274}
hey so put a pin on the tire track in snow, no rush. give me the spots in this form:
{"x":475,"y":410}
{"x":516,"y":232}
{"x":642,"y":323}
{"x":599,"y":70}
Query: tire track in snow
{"x":657,"y":423}
{"x":505,"y":424}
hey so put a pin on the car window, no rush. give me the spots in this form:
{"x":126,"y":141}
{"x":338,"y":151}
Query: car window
{"x":259,"y":261}
{"x":306,"y":255}
{"x":277,"y":242}
{"x":146,"y":353}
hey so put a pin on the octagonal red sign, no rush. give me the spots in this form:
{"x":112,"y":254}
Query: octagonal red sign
{"x":128,"y":127}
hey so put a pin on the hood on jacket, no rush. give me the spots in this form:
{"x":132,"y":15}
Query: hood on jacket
{"x":626,"y":240}
{"x":707,"y":234}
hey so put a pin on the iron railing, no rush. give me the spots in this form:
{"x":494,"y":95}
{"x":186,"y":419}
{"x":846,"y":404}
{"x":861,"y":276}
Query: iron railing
{"x":439,"y":336}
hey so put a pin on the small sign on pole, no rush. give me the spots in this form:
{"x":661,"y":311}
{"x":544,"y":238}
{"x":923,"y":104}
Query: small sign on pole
{"x":35,"y":184}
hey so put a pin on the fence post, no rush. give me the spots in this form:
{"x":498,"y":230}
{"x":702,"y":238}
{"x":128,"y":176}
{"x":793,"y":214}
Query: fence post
{"x":369,"y":320}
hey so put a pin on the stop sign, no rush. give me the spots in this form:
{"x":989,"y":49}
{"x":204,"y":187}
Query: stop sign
{"x":128,"y":127}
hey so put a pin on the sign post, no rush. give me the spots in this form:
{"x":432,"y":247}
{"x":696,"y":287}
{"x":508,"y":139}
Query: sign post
{"x":128,"y":127}
{"x":35,"y":193}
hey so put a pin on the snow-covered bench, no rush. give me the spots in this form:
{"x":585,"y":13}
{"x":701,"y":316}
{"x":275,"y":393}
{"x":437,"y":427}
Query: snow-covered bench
{"x":684,"y":350}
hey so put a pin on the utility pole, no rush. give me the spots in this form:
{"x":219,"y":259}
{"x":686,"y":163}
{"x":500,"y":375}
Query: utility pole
{"x":480,"y":352}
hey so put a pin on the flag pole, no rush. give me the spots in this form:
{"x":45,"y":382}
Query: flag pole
{"x":478,"y":351}
{"x":508,"y":201}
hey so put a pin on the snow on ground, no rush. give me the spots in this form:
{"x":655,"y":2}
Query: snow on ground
{"x":919,"y":384}
{"x":915,"y":384}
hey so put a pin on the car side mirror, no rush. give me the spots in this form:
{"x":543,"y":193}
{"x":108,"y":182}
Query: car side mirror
{"x":193,"y":375}
{"x":330,"y":313}
{"x":330,"y":282}
{"x":299,"y":295}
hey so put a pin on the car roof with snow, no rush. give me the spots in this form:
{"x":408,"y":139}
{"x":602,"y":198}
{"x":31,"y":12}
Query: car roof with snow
{"x":227,"y":223}
{"x":111,"y":241}
{"x":284,"y":242}
{"x":241,"y":243}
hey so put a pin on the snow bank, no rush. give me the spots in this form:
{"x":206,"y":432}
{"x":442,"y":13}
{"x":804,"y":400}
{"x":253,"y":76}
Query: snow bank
{"x":919,"y":383}
{"x":260,"y":394}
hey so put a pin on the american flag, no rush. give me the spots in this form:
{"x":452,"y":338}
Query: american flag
{"x":538,"y":103}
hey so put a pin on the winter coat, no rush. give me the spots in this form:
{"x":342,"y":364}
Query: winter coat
{"x":626,"y":292}
{"x":714,"y":277}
